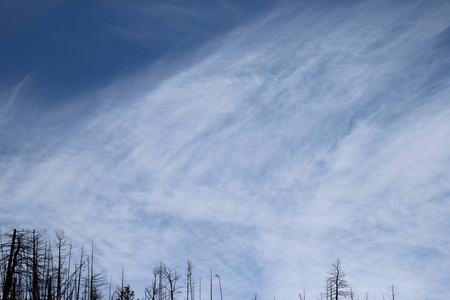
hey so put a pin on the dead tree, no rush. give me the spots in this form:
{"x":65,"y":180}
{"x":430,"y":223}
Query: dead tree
{"x":171,"y":276}
{"x":210,"y":284}
{"x":302,"y":297}
{"x":97,"y":279}
{"x":15,"y":247}
{"x":392,"y":292}
{"x":36,"y":262}
{"x":80,"y":271}
{"x":338,"y":283}
{"x":151,"y":292}
{"x":352,"y":293}
{"x":189,"y":281}
{"x":61,"y":243}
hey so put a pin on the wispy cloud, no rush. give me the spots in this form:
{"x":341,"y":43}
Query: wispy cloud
{"x":309,"y":134}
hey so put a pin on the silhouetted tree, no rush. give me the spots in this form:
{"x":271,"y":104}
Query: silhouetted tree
{"x":189,"y":281}
{"x":36,"y":262}
{"x":392,"y":292}
{"x":337,"y":281}
{"x":12,"y":263}
{"x":151,"y":292}
{"x":96,"y":279}
{"x":61,"y":243}
{"x":171,"y":276}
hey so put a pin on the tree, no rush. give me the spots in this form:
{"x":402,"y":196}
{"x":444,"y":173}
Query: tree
{"x":152,"y":291}
{"x":172,"y":278}
{"x":96,"y":280}
{"x":337,"y":284}
{"x":392,"y":292}
{"x":125,"y":293}
{"x":162,"y":267}
{"x":12,"y":263}
{"x":302,"y":297}
{"x":329,"y":289}
{"x":220,"y":286}
{"x":210,"y":285}
{"x":61,"y":243}
{"x":36,"y":263}
{"x":80,"y":271}
{"x":31,"y":270}
{"x":352,"y":293}
{"x":189,"y":281}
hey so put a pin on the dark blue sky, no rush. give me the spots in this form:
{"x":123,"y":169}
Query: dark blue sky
{"x":72,"y":47}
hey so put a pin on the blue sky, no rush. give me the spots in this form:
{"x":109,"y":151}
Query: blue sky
{"x":262,"y":139}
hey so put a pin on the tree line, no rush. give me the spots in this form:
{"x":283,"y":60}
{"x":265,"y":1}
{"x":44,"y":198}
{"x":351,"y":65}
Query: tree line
{"x":33,"y":267}
{"x":36,"y":267}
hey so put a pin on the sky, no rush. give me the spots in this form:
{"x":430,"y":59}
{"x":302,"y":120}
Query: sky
{"x":260,"y":139}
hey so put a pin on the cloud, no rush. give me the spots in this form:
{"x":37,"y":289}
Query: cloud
{"x":309,"y":134}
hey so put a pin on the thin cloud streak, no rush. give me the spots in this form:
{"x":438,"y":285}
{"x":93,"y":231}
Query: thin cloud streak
{"x":297,"y":141}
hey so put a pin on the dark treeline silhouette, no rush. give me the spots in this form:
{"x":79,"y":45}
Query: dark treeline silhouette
{"x":34,"y":266}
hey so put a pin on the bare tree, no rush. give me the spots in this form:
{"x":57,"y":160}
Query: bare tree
{"x":338,"y":283}
{"x":189,"y":289}
{"x":329,"y":288}
{"x":61,"y":243}
{"x":16,"y":254}
{"x":366,"y":296}
{"x":392,"y":292}
{"x":12,"y":262}
{"x":96,"y":279}
{"x":172,"y":278}
{"x":36,"y":263}
{"x":210,"y":284}
{"x":152,"y":291}
{"x":351,"y":293}
{"x":80,"y":271}
{"x":31,"y":270}
{"x":220,"y":286}
{"x":302,"y":297}
{"x":160,"y":273}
